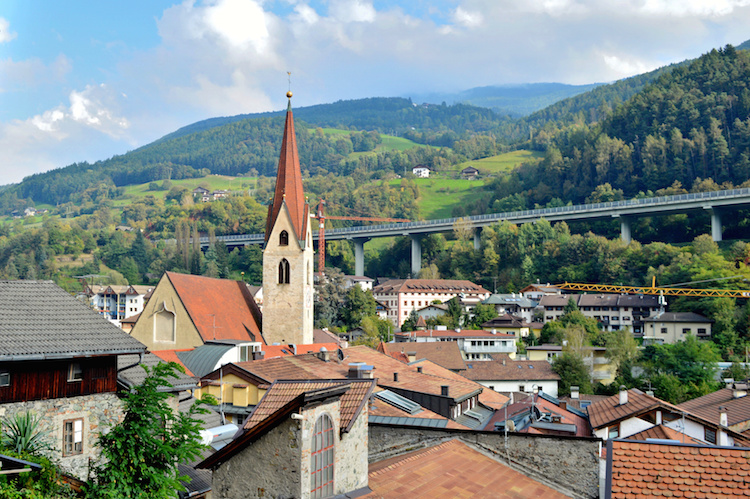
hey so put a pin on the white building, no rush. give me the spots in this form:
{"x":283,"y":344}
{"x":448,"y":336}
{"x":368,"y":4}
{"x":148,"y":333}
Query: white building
{"x":612,"y":311}
{"x":473,"y":344}
{"x":401,"y":296}
{"x":421,"y":171}
{"x":671,"y":327}
{"x":117,"y":302}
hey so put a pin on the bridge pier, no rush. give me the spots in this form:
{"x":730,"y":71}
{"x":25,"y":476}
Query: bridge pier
{"x":416,"y":254}
{"x":477,"y":238}
{"x":625,"y":233}
{"x":716,"y":232}
{"x":359,"y":255}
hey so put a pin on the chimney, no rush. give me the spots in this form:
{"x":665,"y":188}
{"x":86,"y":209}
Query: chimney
{"x":294,"y":348}
{"x":563,"y":406}
{"x":623,"y":395}
{"x":445,"y":390}
{"x":395,"y":377}
{"x":259,"y":355}
{"x":739,"y":390}
{"x":494,"y":331}
{"x":723,"y":419}
{"x":419,"y":369}
{"x":728,"y":382}
{"x":574,"y":393}
{"x":503,"y":361}
{"x":324,"y":354}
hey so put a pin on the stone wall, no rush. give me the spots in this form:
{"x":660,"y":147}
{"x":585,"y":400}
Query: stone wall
{"x":99,"y":412}
{"x":567,"y":464}
{"x":268,"y":468}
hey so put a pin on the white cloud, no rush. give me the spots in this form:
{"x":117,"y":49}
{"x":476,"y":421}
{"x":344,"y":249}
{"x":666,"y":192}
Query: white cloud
{"x":467,"y":18}
{"x":306,"y":14}
{"x":624,"y":66}
{"x":348,"y":11}
{"x":700,"y":8}
{"x":6,"y":34}
{"x":242,"y":23}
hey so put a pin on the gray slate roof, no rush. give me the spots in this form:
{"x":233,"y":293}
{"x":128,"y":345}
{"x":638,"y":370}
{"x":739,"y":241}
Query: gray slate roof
{"x":133,"y":373}
{"x":39,"y":320}
{"x":203,"y":360}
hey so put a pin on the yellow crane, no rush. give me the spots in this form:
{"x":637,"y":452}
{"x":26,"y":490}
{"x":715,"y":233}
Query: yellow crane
{"x":656,"y":290}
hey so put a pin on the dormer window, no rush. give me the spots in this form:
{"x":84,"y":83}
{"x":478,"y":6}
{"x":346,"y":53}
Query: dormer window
{"x":284,"y":238}
{"x":284,"y":271}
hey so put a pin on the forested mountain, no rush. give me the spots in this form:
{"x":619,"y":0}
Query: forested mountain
{"x":691,"y":124}
{"x":512,"y":100}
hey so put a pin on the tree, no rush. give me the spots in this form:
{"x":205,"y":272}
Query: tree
{"x":482,"y":314}
{"x":375,"y":330}
{"x":358,"y":304}
{"x":140,"y":455}
{"x":622,"y":348}
{"x":410,"y":324}
{"x":573,"y":372}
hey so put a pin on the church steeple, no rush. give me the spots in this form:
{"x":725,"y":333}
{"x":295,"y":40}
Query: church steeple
{"x":289,"y":183}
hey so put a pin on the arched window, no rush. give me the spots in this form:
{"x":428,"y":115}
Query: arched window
{"x":284,"y":271}
{"x":284,"y":238}
{"x":321,"y":466}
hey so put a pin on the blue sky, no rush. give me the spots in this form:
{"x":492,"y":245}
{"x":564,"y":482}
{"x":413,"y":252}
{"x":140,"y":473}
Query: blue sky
{"x":85,"y":80}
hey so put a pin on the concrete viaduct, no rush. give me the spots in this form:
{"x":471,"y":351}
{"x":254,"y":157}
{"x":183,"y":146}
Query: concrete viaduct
{"x":714,"y":203}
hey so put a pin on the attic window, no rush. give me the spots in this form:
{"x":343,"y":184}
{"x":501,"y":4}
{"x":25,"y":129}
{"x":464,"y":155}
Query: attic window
{"x":284,"y":238}
{"x":4,"y":378}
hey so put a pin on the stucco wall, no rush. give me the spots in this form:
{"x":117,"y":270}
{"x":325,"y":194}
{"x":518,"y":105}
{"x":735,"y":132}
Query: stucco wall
{"x":569,"y":465}
{"x":186,"y":336}
{"x":288,"y":308}
{"x":99,"y":413}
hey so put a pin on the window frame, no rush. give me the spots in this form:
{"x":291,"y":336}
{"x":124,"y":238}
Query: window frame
{"x":322,"y":458}
{"x":283,"y":238}
{"x":69,"y":437}
{"x":5,"y":375}
{"x":75,"y":372}
{"x":284,"y":271}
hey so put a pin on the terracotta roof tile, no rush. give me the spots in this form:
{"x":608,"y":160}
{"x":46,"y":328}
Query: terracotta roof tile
{"x":665,"y":433}
{"x":273,"y":351}
{"x":443,"y":353}
{"x":282,"y":392}
{"x":638,"y":468}
{"x":502,"y":367}
{"x":489,"y":398}
{"x":452,"y":333}
{"x":451,"y":470}
{"x":609,"y":410}
{"x":202,"y":297}
{"x":707,"y":406}
{"x":171,"y":356}
{"x":432,"y":285}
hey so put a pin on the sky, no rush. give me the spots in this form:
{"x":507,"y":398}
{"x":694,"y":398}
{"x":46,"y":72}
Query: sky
{"x":88,"y":79}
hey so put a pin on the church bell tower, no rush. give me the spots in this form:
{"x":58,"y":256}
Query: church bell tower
{"x":288,"y":253}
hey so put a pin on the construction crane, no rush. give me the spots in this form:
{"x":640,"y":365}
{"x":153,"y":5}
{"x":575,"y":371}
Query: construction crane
{"x":655,"y":290}
{"x":322,"y":231}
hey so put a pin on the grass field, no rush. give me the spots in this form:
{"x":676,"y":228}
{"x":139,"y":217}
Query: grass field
{"x":502,"y":162}
{"x":211,"y":182}
{"x":438,"y":196}
{"x":389,"y":142}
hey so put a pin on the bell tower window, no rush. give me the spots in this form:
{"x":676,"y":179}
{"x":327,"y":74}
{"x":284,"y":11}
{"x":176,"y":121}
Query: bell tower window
{"x":321,"y":469}
{"x":284,"y":238}
{"x":284,"y":271}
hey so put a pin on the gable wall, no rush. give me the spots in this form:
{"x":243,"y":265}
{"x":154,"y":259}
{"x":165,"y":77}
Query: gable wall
{"x":186,"y":335}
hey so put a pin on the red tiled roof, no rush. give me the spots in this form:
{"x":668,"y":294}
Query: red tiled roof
{"x":707,"y":406}
{"x":171,"y":356}
{"x":284,"y":391}
{"x":431,"y":285}
{"x":609,"y":410}
{"x":443,"y":353}
{"x":452,"y":333}
{"x":289,"y":184}
{"x":640,"y":469}
{"x":663,"y":432}
{"x":451,"y":470}
{"x":502,"y":367}
{"x":221,"y":309}
{"x":488,"y":398}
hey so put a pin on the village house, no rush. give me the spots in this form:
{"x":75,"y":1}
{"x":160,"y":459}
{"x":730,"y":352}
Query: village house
{"x":421,"y":171}
{"x":504,"y":374}
{"x":534,"y":292}
{"x":508,"y":324}
{"x":117,"y":303}
{"x":185,"y":311}
{"x":611,"y":311}
{"x":401,"y":296}
{"x":59,"y":360}
{"x":469,"y":173}
{"x":732,"y":400}
{"x":474,"y":344}
{"x":671,"y":327}
{"x":445,"y":354}
{"x":514,"y":304}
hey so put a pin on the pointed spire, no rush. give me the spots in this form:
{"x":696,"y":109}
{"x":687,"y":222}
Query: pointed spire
{"x":289,"y":181}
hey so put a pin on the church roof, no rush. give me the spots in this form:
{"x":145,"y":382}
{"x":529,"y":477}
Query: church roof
{"x":221,"y":309}
{"x":289,"y":184}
